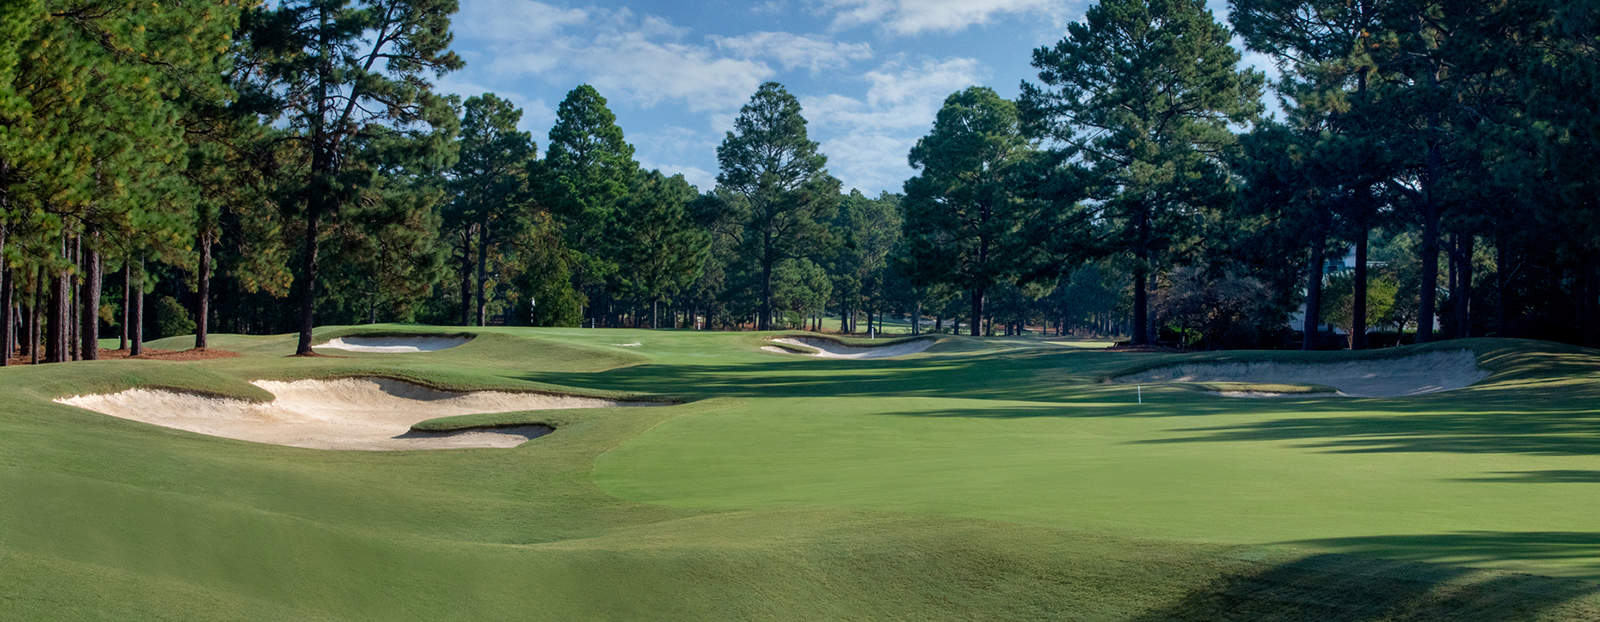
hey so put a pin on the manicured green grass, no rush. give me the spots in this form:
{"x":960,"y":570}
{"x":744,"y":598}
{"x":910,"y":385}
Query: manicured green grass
{"x":997,"y":479}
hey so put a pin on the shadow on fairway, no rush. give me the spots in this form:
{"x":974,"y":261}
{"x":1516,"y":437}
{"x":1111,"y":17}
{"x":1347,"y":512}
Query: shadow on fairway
{"x":1577,"y":550}
{"x":1548,"y":432}
{"x":1351,"y":588}
{"x":1567,"y":476}
{"x":1013,"y":376}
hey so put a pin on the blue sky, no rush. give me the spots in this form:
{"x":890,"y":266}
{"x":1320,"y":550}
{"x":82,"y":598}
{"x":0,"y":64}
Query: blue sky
{"x":870,"y":74}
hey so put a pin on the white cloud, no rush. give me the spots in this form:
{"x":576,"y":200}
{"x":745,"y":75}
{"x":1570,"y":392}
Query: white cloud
{"x":792,"y":50}
{"x":870,"y":161}
{"x":703,"y":180}
{"x":910,"y":17}
{"x":644,"y":58}
{"x":899,"y":96}
{"x":640,"y":60}
{"x":513,"y":20}
{"x":867,"y":139}
{"x":650,"y":71}
{"x":536,"y":113}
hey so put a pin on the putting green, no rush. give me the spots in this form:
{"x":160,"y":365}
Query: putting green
{"x":995,"y":478}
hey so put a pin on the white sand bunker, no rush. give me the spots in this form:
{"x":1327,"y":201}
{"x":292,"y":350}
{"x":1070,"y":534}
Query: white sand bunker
{"x":395,"y":344}
{"x":830,"y":349}
{"x":348,"y":413}
{"x":1383,"y":377}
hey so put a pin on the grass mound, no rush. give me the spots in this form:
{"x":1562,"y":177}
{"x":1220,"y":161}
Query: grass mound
{"x":997,"y":479}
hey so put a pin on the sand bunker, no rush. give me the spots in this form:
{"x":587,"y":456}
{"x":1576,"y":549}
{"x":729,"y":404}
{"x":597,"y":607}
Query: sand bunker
{"x":830,"y":349}
{"x":393,"y":345}
{"x":347,"y":413}
{"x":1382,"y":377}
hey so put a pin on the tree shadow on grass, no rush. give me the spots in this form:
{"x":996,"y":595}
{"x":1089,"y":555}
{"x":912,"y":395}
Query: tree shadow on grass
{"x":1548,"y":432}
{"x":1341,"y":587}
{"x":1577,"y":550}
{"x":1557,"y":476}
{"x":1041,"y":376}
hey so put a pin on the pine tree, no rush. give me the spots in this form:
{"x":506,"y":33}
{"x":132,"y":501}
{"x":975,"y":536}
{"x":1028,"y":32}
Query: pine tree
{"x":489,"y":183}
{"x":964,"y":217}
{"x":776,"y":172}
{"x":342,"y":72}
{"x":1144,"y":93}
{"x":660,"y":250}
{"x":584,"y":180}
{"x":1325,"y":48}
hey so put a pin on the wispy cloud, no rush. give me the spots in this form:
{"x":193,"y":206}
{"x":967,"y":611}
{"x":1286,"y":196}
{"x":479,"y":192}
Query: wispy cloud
{"x":644,"y":58}
{"x":867,"y":139}
{"x":910,"y":17}
{"x":793,"y":51}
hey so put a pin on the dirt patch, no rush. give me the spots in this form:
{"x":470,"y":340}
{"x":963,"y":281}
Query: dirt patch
{"x":1399,"y":376}
{"x":830,"y":349}
{"x":347,"y":413}
{"x":398,"y":344}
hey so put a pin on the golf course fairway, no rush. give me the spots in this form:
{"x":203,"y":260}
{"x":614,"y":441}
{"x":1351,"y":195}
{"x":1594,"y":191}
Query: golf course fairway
{"x":978,"y":479}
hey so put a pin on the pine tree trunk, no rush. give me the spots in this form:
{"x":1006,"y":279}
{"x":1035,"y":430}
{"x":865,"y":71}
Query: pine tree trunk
{"x":1461,"y":296}
{"x":466,"y":283}
{"x":308,"y":285}
{"x":136,"y":316}
{"x":1141,"y":281}
{"x":1314,"y":292}
{"x":89,"y":323}
{"x":8,"y":292}
{"x":70,"y":316}
{"x":1429,"y":278}
{"x":1502,"y":283}
{"x":1358,"y":300}
{"x":483,"y":265}
{"x":34,"y":331}
{"x":5,"y":300}
{"x":764,"y":321}
{"x":1432,"y":175}
{"x":127,"y":299}
{"x":7,"y":332}
{"x":56,"y":338}
{"x":202,"y":314}
{"x":977,"y":311}
{"x":1141,"y":305}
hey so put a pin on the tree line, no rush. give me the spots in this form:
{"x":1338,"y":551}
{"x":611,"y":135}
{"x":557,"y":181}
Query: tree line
{"x":178,"y":168}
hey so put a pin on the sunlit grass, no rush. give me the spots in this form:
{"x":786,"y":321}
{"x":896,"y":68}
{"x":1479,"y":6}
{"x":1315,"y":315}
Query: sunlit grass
{"x":996,"y":478}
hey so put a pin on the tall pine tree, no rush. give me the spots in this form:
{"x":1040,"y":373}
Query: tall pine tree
{"x":1144,"y":92}
{"x":344,"y":71}
{"x":775,"y":170}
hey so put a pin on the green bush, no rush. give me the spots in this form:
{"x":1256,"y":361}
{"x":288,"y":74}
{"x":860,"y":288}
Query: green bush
{"x":171,"y":318}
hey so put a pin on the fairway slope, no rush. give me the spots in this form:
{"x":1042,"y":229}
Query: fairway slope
{"x":985,"y":478}
{"x":822,"y":347}
{"x":346,"y":413}
{"x":1400,"y":376}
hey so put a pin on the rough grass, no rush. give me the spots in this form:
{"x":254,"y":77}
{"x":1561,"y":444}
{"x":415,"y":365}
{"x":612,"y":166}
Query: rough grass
{"x":993,"y":479}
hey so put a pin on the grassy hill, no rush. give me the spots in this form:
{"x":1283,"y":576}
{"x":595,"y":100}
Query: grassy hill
{"x":980,"y":479}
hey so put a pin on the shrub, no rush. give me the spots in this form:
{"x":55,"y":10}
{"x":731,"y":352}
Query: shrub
{"x":171,"y":318}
